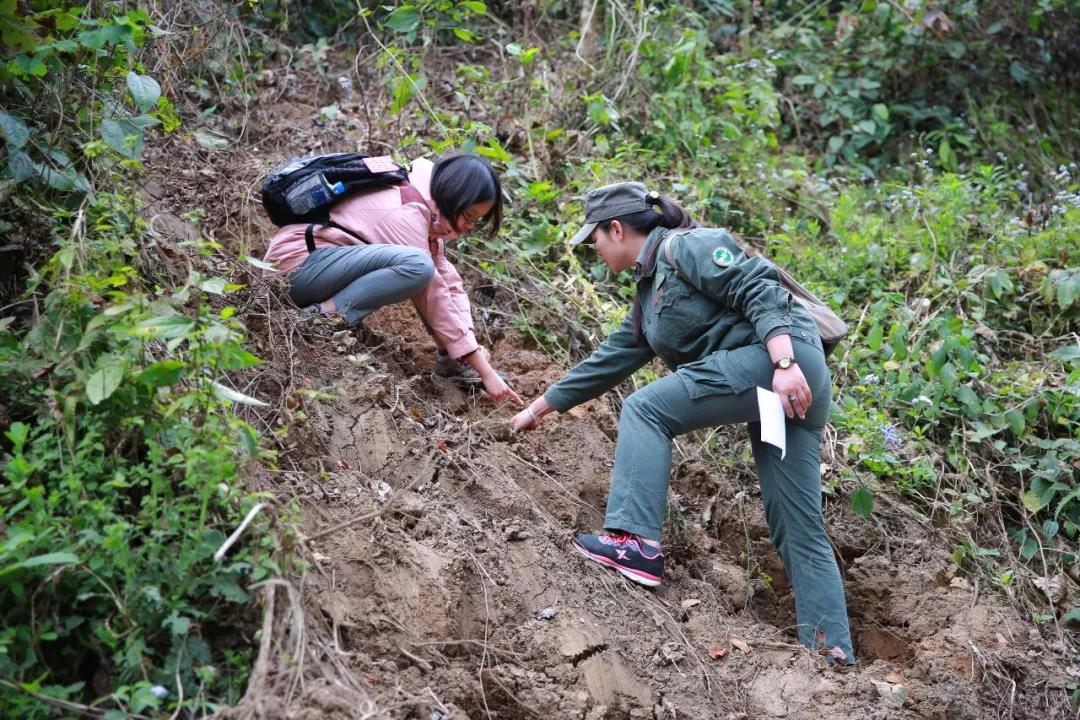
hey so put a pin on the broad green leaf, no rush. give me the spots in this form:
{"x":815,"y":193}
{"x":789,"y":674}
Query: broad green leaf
{"x":862,"y":502}
{"x":227,"y":587}
{"x":966,"y":395}
{"x":234,"y":357}
{"x":881,"y":111}
{"x":803,"y":80}
{"x":177,"y":624}
{"x":56,"y":558}
{"x":21,"y":166}
{"x":1067,"y":353}
{"x":477,"y":7}
{"x":123,"y":136}
{"x":514,"y":48}
{"x":162,"y":374}
{"x":874,"y":337}
{"x":1019,"y":73}
{"x":227,"y":393}
{"x":1032,"y":501}
{"x":259,"y":263}
{"x":835,"y":143}
{"x":164,"y":328}
{"x":106,"y":35}
{"x":144,"y":89}
{"x":1016,"y":421}
{"x":1073,"y":616}
{"x":211,"y":140}
{"x":104,"y":381}
{"x":404,"y":19}
{"x":1050,"y":529}
{"x":214,"y":285}
{"x":867,"y":126}
{"x":144,"y":121}
{"x":15,"y":131}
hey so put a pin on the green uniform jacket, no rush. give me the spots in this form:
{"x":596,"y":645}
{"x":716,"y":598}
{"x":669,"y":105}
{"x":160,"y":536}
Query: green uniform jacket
{"x":720,"y":299}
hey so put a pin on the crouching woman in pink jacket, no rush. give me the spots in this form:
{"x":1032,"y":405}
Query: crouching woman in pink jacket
{"x":406,"y":228}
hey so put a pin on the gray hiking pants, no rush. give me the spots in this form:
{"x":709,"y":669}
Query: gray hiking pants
{"x":720,"y":390}
{"x":361,"y":278}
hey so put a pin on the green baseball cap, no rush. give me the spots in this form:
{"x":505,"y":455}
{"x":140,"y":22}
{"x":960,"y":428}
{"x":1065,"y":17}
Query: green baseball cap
{"x":612,"y":201}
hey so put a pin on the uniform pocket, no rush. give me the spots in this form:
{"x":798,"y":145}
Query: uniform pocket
{"x":682,"y":312}
{"x":720,"y":373}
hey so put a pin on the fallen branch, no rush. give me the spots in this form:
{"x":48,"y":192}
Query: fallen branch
{"x":231,"y":540}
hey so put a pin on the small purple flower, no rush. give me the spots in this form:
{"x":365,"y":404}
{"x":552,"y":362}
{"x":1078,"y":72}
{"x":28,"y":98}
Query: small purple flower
{"x":159,"y":691}
{"x":891,"y":437}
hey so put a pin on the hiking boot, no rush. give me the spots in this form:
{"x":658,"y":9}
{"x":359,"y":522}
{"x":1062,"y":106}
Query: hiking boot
{"x":447,"y":368}
{"x":314,"y":320}
{"x":626,"y":553}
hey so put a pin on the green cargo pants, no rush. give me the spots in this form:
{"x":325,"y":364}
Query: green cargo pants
{"x":719,"y":390}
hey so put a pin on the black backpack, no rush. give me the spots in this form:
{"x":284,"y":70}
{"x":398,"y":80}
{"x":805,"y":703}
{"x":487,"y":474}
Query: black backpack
{"x":304,"y":189}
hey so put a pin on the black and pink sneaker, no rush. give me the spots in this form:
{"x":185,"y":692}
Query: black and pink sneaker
{"x":626,"y":553}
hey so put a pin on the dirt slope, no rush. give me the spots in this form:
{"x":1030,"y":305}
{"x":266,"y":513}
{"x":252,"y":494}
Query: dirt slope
{"x":463,"y":599}
{"x":457,"y":595}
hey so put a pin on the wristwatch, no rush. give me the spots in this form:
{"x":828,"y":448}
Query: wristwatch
{"x":784,"y":362}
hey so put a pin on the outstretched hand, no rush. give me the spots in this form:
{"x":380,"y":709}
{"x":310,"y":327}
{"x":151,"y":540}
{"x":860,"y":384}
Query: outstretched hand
{"x":525,"y":420}
{"x":530,"y":417}
{"x":497,"y":390}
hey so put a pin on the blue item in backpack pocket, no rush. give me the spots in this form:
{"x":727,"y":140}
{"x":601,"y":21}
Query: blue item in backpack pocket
{"x":313,"y":193}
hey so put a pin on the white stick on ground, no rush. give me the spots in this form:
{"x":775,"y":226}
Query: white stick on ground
{"x":231,"y":540}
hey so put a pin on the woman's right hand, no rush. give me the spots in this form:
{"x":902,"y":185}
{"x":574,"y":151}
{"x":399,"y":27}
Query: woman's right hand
{"x":496,"y":389}
{"x":529,"y":418}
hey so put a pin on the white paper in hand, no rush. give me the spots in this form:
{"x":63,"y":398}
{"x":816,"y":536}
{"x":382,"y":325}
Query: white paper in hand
{"x":773,"y":421}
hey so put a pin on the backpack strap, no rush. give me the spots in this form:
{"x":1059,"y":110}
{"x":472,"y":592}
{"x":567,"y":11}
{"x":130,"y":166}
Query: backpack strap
{"x":309,"y":233}
{"x":669,"y":254}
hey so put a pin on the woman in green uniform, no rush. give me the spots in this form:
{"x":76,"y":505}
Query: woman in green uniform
{"x":724,"y":325}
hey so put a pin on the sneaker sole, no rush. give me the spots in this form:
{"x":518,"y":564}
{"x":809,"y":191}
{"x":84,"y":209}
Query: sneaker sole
{"x":638,"y":576}
{"x":460,"y":382}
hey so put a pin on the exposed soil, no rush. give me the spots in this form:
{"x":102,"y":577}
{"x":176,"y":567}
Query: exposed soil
{"x":459,"y":597}
{"x":462,"y":598}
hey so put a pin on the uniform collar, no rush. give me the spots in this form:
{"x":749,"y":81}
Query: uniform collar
{"x":645,"y":267}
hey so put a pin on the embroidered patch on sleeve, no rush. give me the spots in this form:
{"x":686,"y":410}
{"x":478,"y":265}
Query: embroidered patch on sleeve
{"x":722,"y":256}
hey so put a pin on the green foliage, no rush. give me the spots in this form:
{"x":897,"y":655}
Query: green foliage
{"x":960,"y":75}
{"x":121,"y":454}
{"x":121,"y":482}
{"x":961,"y":380}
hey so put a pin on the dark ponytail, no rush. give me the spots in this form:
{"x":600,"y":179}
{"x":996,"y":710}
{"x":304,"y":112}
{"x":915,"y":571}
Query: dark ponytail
{"x":663,"y":213}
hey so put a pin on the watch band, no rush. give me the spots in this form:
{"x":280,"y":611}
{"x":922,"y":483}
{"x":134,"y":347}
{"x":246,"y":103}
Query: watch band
{"x":784,"y":362}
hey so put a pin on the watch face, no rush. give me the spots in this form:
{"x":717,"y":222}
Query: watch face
{"x":784,"y":363}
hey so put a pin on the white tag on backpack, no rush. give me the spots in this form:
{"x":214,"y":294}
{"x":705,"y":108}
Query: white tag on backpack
{"x":380,"y":164}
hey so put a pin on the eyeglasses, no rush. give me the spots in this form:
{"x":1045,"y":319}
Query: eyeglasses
{"x":474,"y":220}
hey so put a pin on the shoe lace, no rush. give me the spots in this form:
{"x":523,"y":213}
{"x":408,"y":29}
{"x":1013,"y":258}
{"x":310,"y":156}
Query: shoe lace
{"x":622,"y":539}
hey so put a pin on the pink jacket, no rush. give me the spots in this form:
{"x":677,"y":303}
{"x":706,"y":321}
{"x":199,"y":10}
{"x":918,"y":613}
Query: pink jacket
{"x":380,"y":217}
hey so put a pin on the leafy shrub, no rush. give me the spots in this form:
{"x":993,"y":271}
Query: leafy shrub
{"x":122,"y":462}
{"x":960,"y":383}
